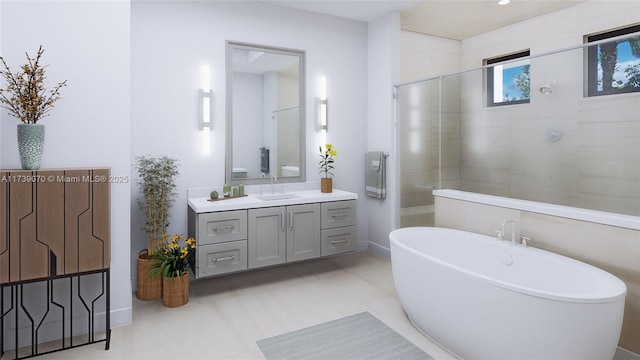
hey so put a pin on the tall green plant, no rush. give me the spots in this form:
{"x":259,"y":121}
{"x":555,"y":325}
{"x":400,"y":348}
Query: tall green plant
{"x":156,"y":182}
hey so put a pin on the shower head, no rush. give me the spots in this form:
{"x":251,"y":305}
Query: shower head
{"x":548,"y":88}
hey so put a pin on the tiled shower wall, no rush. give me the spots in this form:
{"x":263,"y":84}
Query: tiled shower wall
{"x":505,"y":150}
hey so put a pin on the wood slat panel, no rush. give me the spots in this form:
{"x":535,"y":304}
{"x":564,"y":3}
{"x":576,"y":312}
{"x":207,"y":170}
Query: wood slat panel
{"x":50,"y":210}
{"x":90,"y":245}
{"x":76,"y":205}
{"x":65,"y":212}
{"x":31,"y":259}
{"x":4,"y":230}
{"x":102,"y":215}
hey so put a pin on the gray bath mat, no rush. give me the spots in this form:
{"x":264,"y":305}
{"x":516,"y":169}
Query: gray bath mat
{"x":360,"y":336}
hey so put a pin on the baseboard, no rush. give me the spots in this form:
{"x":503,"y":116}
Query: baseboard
{"x":121,"y":317}
{"x":624,"y":354}
{"x":380,"y":250}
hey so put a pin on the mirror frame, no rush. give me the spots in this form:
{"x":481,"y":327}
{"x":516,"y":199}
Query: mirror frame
{"x":301,"y":54}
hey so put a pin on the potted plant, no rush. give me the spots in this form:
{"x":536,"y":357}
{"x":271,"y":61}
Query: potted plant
{"x":326,"y":167}
{"x":173,"y":258}
{"x":156,"y":181}
{"x":27,"y":99}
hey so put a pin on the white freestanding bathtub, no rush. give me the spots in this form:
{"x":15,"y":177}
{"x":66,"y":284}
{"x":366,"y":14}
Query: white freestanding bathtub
{"x":483,"y":298}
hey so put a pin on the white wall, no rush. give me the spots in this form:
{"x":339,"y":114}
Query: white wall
{"x":86,"y":43}
{"x":383,"y":70}
{"x":172,"y":40}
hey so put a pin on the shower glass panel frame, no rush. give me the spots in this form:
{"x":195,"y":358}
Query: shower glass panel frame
{"x":562,"y":147}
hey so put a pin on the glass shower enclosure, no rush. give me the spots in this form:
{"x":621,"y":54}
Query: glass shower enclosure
{"x":564,"y":145}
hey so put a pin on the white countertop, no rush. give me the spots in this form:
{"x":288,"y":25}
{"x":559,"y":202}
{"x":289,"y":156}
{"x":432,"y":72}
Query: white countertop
{"x":201,"y":205}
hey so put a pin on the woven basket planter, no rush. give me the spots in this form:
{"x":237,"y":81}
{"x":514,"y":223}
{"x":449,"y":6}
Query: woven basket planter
{"x":175,"y":290}
{"x":148,"y":287}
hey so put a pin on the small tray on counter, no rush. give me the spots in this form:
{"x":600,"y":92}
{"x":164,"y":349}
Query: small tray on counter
{"x":227,"y":198}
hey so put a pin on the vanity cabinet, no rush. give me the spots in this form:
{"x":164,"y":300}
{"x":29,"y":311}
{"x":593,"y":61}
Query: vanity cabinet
{"x":237,"y":239}
{"x":283,"y":234}
{"x":338,"y":220}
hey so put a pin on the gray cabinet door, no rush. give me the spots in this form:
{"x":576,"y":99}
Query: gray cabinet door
{"x":303,"y":232}
{"x":267,"y":237}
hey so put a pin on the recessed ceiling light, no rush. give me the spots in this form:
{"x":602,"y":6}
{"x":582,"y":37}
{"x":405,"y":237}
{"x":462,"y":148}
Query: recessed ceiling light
{"x":504,"y":2}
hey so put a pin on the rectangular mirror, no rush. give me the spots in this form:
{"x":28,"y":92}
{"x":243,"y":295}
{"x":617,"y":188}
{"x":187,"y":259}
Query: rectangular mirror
{"x":265,"y":111}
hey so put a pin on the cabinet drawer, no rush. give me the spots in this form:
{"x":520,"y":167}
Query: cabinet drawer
{"x":338,"y":214}
{"x":339,"y":240}
{"x":222,"y":226}
{"x":222,"y":258}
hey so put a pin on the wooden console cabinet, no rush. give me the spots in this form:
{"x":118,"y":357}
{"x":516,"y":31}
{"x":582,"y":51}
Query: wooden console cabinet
{"x":55,"y":229}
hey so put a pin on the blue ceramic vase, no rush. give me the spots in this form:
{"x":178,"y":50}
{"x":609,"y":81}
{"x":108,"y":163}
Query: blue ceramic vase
{"x":30,"y":145}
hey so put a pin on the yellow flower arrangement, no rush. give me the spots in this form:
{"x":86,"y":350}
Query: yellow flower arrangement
{"x":174,"y":256}
{"x":326,"y":159}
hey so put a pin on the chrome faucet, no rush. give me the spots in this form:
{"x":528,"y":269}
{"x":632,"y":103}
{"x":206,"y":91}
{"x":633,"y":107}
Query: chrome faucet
{"x":273,"y":180}
{"x":513,"y":230}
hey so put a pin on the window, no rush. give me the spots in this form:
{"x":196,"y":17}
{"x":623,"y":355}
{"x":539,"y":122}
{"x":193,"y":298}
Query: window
{"x":614,"y":67}
{"x":508,"y":83}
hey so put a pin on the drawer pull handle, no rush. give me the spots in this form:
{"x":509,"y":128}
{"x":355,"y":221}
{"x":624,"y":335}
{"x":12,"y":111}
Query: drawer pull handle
{"x":232,"y":257}
{"x":283,"y":226}
{"x":333,"y":242}
{"x":290,"y":220}
{"x":224,"y":227}
{"x":338,"y":215}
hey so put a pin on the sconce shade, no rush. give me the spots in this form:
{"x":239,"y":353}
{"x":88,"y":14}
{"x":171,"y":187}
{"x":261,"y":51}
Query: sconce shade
{"x":206,"y":109}
{"x":322,"y":105}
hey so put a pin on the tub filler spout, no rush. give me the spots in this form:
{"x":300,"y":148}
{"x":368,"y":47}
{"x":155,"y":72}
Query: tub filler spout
{"x":513,"y":230}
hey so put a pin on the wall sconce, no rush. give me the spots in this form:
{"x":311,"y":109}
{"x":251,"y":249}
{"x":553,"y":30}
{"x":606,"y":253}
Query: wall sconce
{"x":206,"y":109}
{"x":206,"y":101}
{"x":322,"y":104}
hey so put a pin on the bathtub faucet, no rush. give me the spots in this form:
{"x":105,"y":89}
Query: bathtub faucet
{"x":513,"y":230}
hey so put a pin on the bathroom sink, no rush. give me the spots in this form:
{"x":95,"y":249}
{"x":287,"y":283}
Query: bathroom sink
{"x":271,"y":197}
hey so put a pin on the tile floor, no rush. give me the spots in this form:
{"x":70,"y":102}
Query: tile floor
{"x":225,"y":316}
